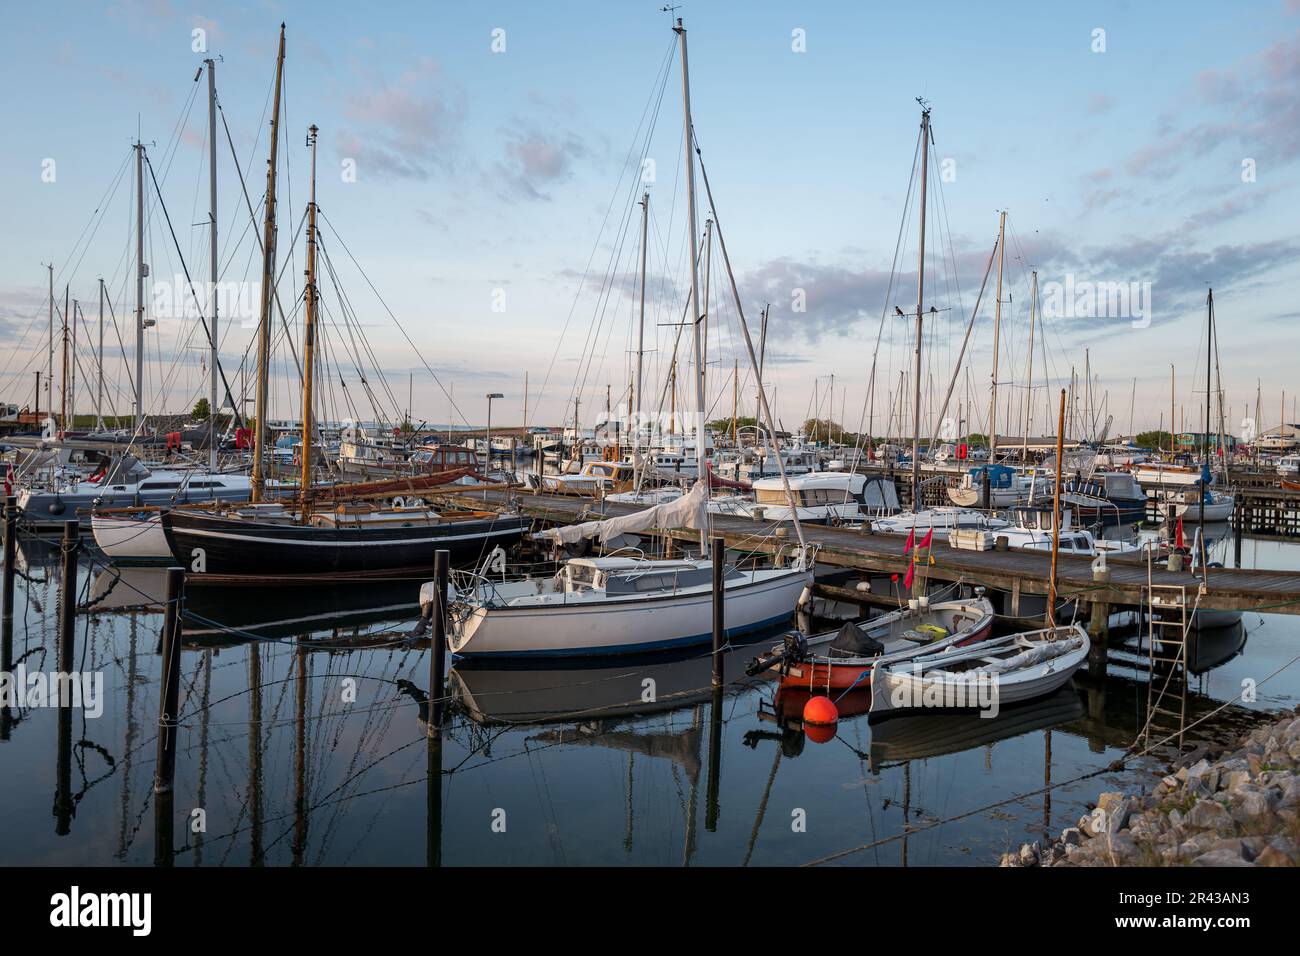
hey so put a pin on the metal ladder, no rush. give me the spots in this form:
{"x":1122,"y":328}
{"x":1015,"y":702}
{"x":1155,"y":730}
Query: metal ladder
{"x":1171,"y":634}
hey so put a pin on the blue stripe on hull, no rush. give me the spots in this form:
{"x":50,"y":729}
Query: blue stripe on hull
{"x":620,"y":649}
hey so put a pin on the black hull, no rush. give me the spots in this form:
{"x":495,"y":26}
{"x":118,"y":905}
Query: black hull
{"x":208,"y":544}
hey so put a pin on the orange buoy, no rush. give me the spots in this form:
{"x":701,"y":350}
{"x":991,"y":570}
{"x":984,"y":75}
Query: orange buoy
{"x":820,"y":712}
{"x":818,"y":733}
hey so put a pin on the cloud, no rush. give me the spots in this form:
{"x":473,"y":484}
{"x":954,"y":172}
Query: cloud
{"x":407,"y":129}
{"x":535,"y":162}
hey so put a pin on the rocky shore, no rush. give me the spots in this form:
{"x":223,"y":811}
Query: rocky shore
{"x":1240,"y":807}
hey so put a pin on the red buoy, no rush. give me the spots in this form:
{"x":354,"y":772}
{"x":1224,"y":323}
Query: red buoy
{"x":820,"y":712}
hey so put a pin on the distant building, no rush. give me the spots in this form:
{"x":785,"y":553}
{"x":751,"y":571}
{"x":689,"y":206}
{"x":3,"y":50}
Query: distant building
{"x":1280,"y":437}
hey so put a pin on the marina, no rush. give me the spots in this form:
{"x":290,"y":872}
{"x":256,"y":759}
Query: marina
{"x":429,"y":444}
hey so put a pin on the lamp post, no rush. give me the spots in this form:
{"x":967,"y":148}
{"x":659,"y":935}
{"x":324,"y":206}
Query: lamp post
{"x":490,"y":396}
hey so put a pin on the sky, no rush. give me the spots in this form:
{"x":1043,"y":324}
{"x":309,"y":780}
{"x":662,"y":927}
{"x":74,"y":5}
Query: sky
{"x":480,"y":168}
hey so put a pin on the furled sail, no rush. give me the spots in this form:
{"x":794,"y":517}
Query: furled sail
{"x":688,"y":511}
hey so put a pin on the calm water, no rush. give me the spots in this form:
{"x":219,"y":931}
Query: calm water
{"x":304,"y":741}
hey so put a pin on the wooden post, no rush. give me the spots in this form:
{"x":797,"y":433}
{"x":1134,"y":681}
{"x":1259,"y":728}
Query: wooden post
{"x":10,"y":560}
{"x":1056,"y":513}
{"x":438,"y":645}
{"x":1236,"y":530}
{"x":719,"y":608}
{"x":71,"y":548}
{"x":169,"y":699}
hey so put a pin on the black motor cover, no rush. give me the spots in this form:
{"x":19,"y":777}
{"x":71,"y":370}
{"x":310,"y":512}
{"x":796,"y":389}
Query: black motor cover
{"x":852,"y":641}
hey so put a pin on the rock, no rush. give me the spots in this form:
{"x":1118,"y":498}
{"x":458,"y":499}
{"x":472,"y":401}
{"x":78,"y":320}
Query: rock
{"x":1028,"y":856}
{"x":1249,"y":804}
{"x":1255,"y":762}
{"x":1208,"y":815}
{"x":1235,"y":780}
{"x":1220,"y":857}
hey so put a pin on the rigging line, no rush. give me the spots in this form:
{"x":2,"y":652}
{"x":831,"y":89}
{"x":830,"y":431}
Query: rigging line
{"x":207,"y":331}
{"x":667,"y":63}
{"x":399,"y":325}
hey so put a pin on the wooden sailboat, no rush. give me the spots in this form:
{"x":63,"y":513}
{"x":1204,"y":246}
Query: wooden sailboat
{"x":352,"y":536}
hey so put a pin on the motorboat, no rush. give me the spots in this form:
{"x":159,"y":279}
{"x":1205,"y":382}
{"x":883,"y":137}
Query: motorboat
{"x":843,"y":659}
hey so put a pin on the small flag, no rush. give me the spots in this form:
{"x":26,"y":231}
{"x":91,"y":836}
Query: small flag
{"x":911,"y":537}
{"x":1178,"y":535}
{"x":929,"y":536}
{"x":907,"y":581}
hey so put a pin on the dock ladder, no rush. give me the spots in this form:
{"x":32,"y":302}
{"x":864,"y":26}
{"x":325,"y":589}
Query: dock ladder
{"x":1168,"y":628}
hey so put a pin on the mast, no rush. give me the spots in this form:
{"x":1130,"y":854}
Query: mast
{"x":49,"y":374}
{"x":1205,"y":439}
{"x":141,"y":270}
{"x":268,"y":281}
{"x":63,"y":392}
{"x":640,"y":335}
{"x":920,"y":296}
{"x":997,"y":339}
{"x":1029,"y":386}
{"x":212,"y":263}
{"x":309,"y":337}
{"x":689,"y":146}
{"x":72,"y":368}
{"x":1056,"y":514}
{"x":99,"y":388}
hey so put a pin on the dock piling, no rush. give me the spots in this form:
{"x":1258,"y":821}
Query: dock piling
{"x":10,"y":560}
{"x":438,"y":641}
{"x":70,"y":549}
{"x":719,"y":551}
{"x":169,"y":699}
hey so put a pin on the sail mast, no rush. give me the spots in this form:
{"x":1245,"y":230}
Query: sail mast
{"x":99,"y":388}
{"x":140,"y":270}
{"x":920,"y":296}
{"x":212,"y":264}
{"x":268,"y":281}
{"x":1029,"y":387}
{"x":309,"y":338}
{"x":640,"y":339}
{"x":997,"y":338}
{"x":689,"y":145}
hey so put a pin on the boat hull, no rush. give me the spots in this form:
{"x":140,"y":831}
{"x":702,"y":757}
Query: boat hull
{"x":131,"y":537}
{"x":206,"y":543}
{"x":631,"y":626}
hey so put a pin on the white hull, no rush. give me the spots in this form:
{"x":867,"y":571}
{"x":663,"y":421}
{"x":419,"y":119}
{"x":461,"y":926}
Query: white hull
{"x":1214,"y":511}
{"x":913,"y":684}
{"x":630,"y":624}
{"x":131,"y":537}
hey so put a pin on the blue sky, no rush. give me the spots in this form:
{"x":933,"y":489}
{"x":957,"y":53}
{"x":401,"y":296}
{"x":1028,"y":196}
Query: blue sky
{"x":483,"y":182}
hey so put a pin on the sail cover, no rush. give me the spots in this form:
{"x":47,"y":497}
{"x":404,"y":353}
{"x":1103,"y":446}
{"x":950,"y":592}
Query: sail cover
{"x":688,"y":511}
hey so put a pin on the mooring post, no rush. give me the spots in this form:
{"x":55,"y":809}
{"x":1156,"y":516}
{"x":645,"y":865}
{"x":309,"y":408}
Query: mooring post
{"x":71,"y":547}
{"x":986,"y":485}
{"x":438,"y":646}
{"x":169,"y":698}
{"x":1236,"y":530}
{"x":719,"y":608}
{"x":714,"y":782}
{"x":10,"y":559}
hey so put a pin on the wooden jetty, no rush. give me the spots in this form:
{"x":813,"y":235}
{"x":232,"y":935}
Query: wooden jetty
{"x":1015,"y":572}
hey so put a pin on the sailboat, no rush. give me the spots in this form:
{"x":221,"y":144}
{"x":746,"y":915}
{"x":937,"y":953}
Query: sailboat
{"x":625,"y":603}
{"x":264,"y":538}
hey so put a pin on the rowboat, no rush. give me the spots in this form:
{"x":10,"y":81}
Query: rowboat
{"x":849,"y":654}
{"x":981,"y":676}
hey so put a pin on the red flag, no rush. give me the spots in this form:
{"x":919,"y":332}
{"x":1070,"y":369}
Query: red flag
{"x":907,"y":581}
{"x":911,"y":536}
{"x":1178,"y":540}
{"x":929,"y":536}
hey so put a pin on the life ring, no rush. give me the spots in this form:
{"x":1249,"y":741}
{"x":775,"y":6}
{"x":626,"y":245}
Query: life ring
{"x":399,"y":502}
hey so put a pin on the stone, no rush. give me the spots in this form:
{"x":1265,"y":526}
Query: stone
{"x":1235,"y":780}
{"x":1249,"y":804}
{"x":1220,"y":857}
{"x":1208,"y":815}
{"x":1028,"y":856}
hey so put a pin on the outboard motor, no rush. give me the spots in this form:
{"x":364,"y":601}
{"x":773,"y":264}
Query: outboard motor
{"x":793,"y":648}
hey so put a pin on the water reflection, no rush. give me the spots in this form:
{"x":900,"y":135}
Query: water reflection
{"x":304,"y":741}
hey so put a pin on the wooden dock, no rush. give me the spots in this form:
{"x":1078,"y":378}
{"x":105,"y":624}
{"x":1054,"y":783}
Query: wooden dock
{"x":1015,"y":572}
